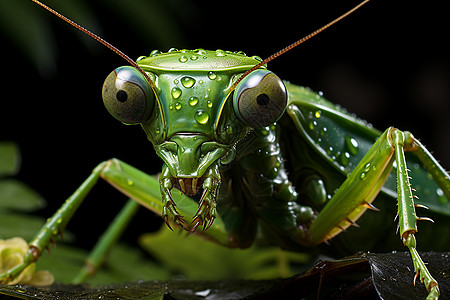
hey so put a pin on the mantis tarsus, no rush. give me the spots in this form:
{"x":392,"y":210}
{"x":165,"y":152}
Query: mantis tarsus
{"x":180,"y":183}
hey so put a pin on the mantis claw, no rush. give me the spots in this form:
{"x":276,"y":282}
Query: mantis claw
{"x":179,"y":220}
{"x":206,"y":212}
{"x":166,"y":220}
{"x":211,"y":221}
{"x":171,"y":201}
{"x":194,"y":228}
{"x":415,"y":277}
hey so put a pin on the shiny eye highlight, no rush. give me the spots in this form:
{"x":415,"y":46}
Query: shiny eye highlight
{"x":127,"y":95}
{"x":260,"y":99}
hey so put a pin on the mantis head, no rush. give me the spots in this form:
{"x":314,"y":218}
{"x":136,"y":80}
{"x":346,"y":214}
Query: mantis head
{"x":195,"y":112}
{"x":195,"y":107}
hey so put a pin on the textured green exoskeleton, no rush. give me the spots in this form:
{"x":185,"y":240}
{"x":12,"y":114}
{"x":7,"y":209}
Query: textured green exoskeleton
{"x":253,"y":152}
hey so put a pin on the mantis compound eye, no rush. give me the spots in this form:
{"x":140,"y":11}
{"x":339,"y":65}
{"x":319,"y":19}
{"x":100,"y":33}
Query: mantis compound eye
{"x":127,"y":95}
{"x":260,"y":99}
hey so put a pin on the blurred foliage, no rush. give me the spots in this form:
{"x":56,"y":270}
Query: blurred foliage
{"x":199,"y":259}
{"x":17,"y":200}
{"x":30,"y":28}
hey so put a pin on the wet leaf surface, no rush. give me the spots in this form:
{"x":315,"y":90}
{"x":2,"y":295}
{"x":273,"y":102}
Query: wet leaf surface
{"x":364,"y":275}
{"x":393,"y":274}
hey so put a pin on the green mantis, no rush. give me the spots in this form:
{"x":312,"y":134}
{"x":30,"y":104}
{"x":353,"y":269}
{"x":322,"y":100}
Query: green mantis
{"x":214,"y":119}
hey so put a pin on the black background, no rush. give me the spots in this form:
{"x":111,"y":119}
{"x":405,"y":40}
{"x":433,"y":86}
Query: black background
{"x":388,"y":63}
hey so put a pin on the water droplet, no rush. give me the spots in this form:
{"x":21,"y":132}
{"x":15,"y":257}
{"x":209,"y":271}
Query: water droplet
{"x":176,"y":92}
{"x":209,"y":103}
{"x":352,"y":145}
{"x":345,"y":158}
{"x":212,"y":75}
{"x":177,"y":106}
{"x":220,"y":52}
{"x":323,"y":131}
{"x":172,"y":50}
{"x":59,"y":221}
{"x":194,"y":57}
{"x":201,"y":51}
{"x":201,"y":116}
{"x":317,"y":114}
{"x":367,"y":167}
{"x":187,"y":81}
{"x":363,"y":176}
{"x":130,"y":182}
{"x":193,"y":101}
{"x":441,"y":197}
{"x":183,"y":59}
{"x":312,"y":124}
{"x":155,"y":52}
{"x":330,"y":150}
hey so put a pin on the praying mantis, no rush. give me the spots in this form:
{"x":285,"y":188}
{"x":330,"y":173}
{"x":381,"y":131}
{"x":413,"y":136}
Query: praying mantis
{"x":206,"y":217}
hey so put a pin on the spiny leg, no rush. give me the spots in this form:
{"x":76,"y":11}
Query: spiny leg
{"x":54,"y":226}
{"x":407,"y":216}
{"x":169,"y":209}
{"x":440,"y":176}
{"x":206,"y":212}
{"x":134,"y":183}
{"x":356,"y":193}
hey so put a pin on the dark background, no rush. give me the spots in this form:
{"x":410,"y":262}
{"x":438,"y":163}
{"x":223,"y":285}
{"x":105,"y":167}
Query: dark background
{"x":388,"y":63}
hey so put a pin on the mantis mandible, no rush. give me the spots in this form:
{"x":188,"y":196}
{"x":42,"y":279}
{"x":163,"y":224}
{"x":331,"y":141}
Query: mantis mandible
{"x":201,"y":153}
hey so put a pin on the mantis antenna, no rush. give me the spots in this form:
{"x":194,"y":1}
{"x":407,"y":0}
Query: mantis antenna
{"x":300,"y":41}
{"x":99,"y":39}
{"x":265,"y":61}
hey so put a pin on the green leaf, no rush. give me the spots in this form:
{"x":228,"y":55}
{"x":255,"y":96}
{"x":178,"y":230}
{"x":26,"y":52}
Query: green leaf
{"x":125,"y":264}
{"x":9,"y":158}
{"x":19,"y":225}
{"x":198,"y":259}
{"x":15,"y":195}
{"x":27,"y":28}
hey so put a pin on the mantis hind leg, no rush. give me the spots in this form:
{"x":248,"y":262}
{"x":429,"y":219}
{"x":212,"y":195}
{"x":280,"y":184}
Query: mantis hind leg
{"x":107,"y":241}
{"x":363,"y":185}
